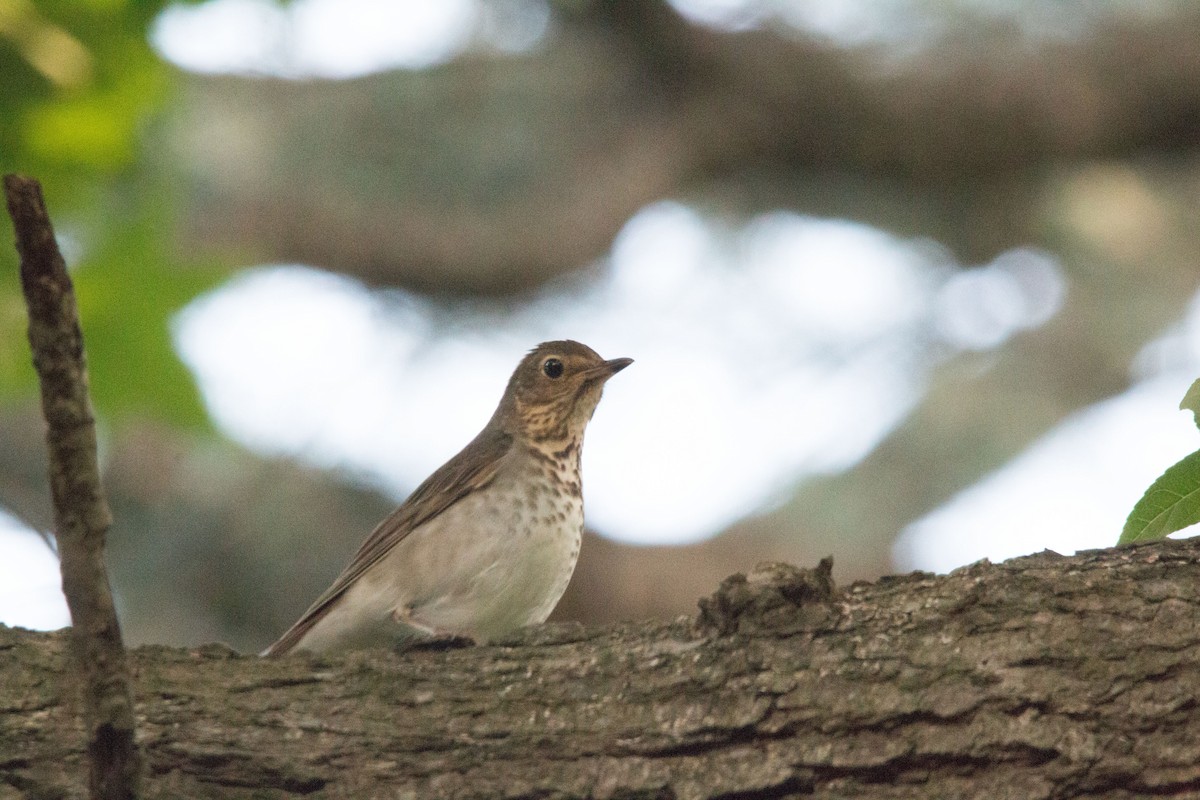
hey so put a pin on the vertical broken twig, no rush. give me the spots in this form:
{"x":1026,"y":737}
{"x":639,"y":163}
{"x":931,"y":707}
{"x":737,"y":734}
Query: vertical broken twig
{"x":81,"y":512}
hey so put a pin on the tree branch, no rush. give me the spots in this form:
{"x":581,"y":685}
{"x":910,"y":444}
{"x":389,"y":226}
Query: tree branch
{"x":1043,"y":677}
{"x":81,"y":513}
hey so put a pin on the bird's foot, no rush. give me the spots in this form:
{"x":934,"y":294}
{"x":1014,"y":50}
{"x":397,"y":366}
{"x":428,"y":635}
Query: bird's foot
{"x":439,"y":642}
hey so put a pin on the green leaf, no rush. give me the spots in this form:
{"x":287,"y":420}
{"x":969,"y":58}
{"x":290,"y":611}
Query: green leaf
{"x":1191,"y":402}
{"x":1170,"y":504}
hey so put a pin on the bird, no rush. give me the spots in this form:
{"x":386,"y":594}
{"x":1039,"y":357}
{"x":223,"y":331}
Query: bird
{"x":488,"y":542}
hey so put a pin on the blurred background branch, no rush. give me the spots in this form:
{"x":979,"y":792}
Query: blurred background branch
{"x":496,"y":174}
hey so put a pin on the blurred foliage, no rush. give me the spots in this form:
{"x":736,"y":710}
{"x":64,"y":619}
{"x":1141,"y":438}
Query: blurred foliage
{"x":80,"y":90}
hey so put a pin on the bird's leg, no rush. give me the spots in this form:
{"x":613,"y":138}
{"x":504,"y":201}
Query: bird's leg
{"x":434,"y":638}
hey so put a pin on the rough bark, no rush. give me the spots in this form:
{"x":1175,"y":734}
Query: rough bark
{"x":81,"y":515}
{"x":1042,"y":677}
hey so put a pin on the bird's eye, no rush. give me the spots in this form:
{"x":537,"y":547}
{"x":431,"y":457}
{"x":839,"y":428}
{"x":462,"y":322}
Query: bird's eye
{"x":553,"y":368}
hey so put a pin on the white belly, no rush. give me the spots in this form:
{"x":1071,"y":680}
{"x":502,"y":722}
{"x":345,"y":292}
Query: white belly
{"x":511,"y":573}
{"x":483,"y":568}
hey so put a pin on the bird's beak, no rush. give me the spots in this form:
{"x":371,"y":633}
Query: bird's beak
{"x":617,"y":364}
{"x":602,"y":372}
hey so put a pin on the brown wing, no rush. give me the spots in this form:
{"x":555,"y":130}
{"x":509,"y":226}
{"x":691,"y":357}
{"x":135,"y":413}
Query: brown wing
{"x":473,"y":468}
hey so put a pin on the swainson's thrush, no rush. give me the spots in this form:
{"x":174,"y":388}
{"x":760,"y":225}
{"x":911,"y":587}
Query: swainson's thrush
{"x":488,"y":542}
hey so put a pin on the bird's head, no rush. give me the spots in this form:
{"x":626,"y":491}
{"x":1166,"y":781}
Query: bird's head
{"x":554,"y":391}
